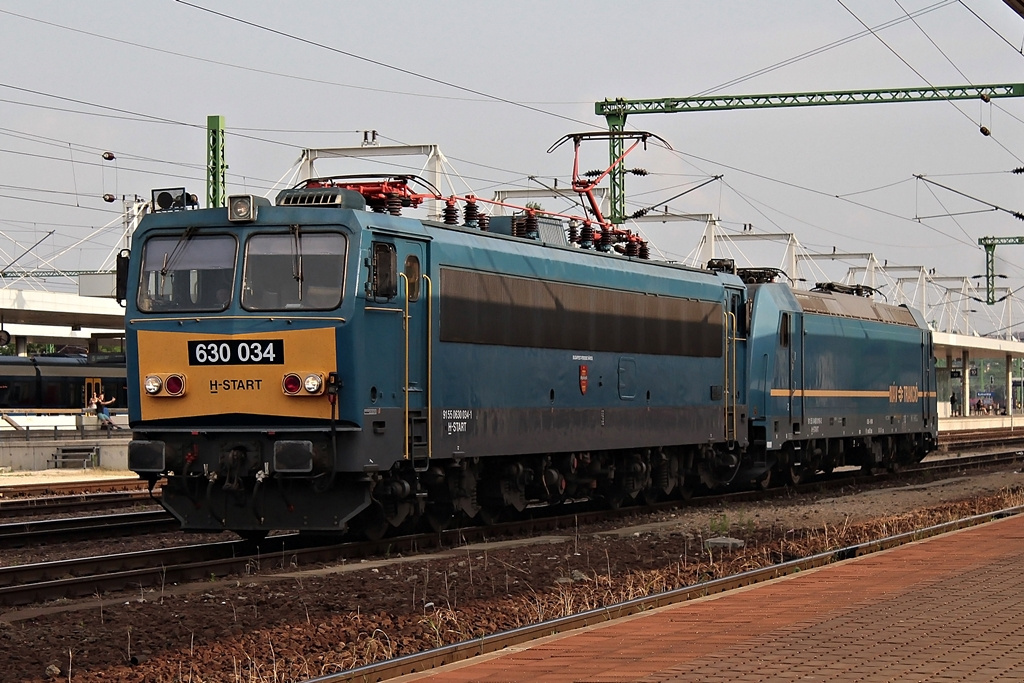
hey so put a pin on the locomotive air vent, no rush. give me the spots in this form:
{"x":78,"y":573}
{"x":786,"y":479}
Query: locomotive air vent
{"x":336,"y":197}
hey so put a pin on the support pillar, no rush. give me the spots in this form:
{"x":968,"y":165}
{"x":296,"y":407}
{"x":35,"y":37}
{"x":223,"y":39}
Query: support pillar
{"x":965,"y":382}
{"x":952,"y":387}
{"x":1008,"y":394}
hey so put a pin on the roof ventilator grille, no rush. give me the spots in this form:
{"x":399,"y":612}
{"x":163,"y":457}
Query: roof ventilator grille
{"x":321,"y":196}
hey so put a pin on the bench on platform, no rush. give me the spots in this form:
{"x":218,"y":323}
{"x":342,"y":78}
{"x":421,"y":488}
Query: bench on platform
{"x":76,"y":456}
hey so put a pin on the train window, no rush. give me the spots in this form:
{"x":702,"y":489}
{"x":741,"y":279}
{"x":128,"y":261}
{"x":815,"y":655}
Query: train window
{"x":293,"y":271}
{"x":784,"y":331}
{"x":385,"y":271}
{"x":187,"y":273}
{"x":412,"y":274}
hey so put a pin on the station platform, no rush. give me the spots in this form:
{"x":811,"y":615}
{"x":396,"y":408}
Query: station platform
{"x":950,"y":608}
{"x":76,"y":475}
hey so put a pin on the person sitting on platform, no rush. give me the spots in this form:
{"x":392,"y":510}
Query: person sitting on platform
{"x":100,"y":403}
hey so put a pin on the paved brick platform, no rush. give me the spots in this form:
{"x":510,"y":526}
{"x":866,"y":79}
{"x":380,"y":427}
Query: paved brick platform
{"x":946,"y":609}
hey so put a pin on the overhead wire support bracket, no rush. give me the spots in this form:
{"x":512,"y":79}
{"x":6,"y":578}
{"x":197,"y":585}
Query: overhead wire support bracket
{"x":990,"y":263}
{"x":615,"y":112}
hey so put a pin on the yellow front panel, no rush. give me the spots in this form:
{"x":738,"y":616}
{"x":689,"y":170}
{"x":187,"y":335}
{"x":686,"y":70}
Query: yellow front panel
{"x":238,"y":388}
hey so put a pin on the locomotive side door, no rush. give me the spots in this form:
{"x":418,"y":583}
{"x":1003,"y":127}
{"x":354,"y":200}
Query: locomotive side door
{"x":790,"y":371}
{"x":399,"y":293}
{"x":796,"y":375}
{"x":735,"y":360}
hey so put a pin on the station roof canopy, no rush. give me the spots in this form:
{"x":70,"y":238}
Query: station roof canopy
{"x":977,"y":347}
{"x":30,"y":307}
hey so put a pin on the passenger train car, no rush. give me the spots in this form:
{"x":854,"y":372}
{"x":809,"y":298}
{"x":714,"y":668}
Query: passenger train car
{"x":60,"y":382}
{"x":324,"y":363}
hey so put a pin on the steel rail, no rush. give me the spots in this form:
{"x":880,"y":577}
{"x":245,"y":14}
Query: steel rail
{"x":49,"y":531}
{"x":85,"y":501}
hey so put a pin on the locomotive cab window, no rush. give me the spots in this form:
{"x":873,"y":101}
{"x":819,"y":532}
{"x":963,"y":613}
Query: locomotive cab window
{"x":384,"y":283}
{"x":784,"y":331}
{"x":412,"y":275}
{"x":186,"y":273}
{"x":293,"y":271}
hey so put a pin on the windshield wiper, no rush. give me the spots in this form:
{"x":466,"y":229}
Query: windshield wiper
{"x":179,"y":249}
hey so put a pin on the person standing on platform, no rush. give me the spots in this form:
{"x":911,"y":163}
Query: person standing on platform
{"x":952,"y":405}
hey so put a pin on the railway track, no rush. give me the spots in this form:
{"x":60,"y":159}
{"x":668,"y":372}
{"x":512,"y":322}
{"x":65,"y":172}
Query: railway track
{"x":76,"y":503}
{"x":51,"y":531}
{"x":981,"y":438}
{"x":73,"y":496}
{"x":75,"y":578}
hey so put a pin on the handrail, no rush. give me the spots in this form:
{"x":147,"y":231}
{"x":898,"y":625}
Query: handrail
{"x":430,"y":365}
{"x":405,"y":327}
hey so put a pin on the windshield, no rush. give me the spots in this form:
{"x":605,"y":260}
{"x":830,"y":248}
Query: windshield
{"x":185,"y":273}
{"x":294,"y":270}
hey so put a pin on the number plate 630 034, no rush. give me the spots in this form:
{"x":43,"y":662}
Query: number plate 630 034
{"x":236,"y":352}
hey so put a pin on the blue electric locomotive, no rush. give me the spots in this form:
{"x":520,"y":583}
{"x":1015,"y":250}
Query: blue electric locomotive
{"x":837,"y":379}
{"x":312,"y":365}
{"x":318,"y":366}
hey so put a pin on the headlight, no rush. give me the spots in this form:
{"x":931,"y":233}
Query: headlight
{"x":153,"y":384}
{"x":313,"y":383}
{"x":241,"y":208}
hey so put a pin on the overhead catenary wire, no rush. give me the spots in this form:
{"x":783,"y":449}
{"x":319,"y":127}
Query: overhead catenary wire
{"x":523,"y":176}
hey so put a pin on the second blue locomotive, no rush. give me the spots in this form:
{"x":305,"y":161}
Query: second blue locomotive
{"x":318,"y":365}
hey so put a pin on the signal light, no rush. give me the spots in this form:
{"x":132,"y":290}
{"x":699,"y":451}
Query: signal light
{"x":291,"y":384}
{"x":175,"y":385}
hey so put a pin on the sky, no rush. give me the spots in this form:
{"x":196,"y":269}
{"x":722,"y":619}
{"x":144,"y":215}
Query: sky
{"x":496,"y":84}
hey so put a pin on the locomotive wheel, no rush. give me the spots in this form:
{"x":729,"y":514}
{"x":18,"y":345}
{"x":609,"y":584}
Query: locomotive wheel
{"x":650,"y":496}
{"x":372,"y":523}
{"x":616,"y":499}
{"x":765,"y":481}
{"x":489,"y":516}
{"x":798,"y":472}
{"x":439,"y":517}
